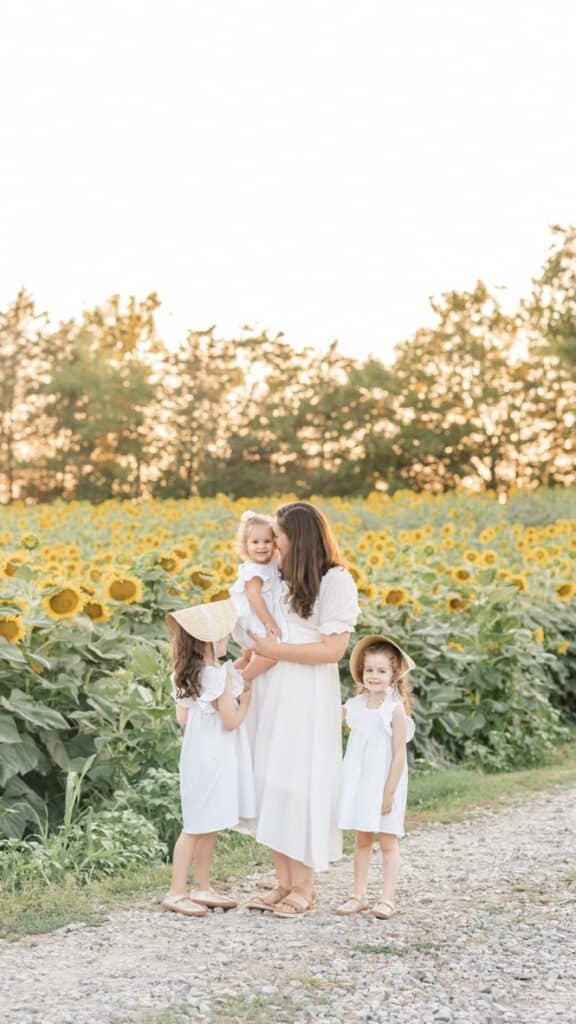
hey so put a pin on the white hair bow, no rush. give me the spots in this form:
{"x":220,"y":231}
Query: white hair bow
{"x":248,"y":514}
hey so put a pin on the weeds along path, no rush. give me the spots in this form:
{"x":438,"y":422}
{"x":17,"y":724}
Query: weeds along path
{"x":486,"y":934}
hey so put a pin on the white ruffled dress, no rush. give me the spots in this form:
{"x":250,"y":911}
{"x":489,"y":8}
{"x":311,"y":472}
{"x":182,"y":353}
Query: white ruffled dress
{"x":216,"y":779}
{"x":271,"y":593}
{"x":294,"y":727}
{"x":367,"y":765}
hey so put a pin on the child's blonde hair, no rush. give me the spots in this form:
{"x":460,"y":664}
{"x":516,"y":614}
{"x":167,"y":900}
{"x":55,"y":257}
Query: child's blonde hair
{"x":247,"y":521}
{"x":402,"y":685}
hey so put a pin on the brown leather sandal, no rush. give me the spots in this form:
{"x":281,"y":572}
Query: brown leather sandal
{"x":295,"y":904}
{"x":384,"y":910}
{"x":354,"y":905}
{"x":267,"y":900}
{"x":182,"y":905}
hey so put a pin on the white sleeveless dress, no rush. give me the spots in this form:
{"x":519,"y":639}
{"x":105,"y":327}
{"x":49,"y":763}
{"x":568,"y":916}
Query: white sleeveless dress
{"x":294,"y":727}
{"x":367,"y":766}
{"x":216,"y":779}
{"x":271,"y":592}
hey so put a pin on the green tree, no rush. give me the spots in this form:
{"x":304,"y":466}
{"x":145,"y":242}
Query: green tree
{"x":98,"y":395}
{"x":23,"y":360}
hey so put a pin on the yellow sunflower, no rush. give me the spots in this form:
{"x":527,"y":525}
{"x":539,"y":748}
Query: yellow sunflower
{"x":170,"y":562}
{"x":396,"y":596}
{"x":488,"y":558}
{"x":96,"y":610}
{"x":201,"y":577}
{"x":539,"y":635}
{"x":520,"y":582}
{"x":563,"y":647}
{"x":63,"y":602}
{"x":461,"y":574}
{"x":123,"y":588}
{"x":29,"y":541}
{"x":12,"y":628}
{"x":456,"y":604}
{"x":13,"y":562}
{"x":565,"y":591}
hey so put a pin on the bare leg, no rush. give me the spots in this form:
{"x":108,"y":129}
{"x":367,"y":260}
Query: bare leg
{"x":257,"y":666}
{"x":184,"y":852}
{"x":302,"y":877}
{"x":203,"y":860}
{"x":390,"y":864}
{"x":362,"y":858}
{"x":282,"y":863}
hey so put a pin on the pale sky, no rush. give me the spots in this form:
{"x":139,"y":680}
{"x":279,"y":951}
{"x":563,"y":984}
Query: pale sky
{"x":319,"y":167}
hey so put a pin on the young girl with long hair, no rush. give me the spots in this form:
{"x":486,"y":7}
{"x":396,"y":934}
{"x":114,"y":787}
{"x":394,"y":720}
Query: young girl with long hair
{"x":294,"y":722}
{"x":216,"y":780}
{"x":375,"y":773}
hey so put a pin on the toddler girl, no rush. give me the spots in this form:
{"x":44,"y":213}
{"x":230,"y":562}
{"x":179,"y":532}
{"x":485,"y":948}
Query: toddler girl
{"x":216,"y":781}
{"x":257,"y":591}
{"x":375,"y":772}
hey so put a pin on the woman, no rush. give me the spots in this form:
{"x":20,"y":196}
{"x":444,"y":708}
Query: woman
{"x":295,"y":719}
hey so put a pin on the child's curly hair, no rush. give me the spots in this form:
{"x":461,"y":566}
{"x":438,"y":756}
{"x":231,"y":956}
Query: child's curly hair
{"x":247,"y":521}
{"x":401,"y":685}
{"x":188,"y":659}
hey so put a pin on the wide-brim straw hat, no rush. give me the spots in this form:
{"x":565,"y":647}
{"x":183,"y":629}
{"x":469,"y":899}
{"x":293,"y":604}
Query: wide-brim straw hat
{"x":407,"y":662}
{"x":209,"y":622}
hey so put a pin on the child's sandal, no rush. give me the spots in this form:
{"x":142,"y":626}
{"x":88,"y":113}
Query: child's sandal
{"x":295,"y":904}
{"x":267,"y":900}
{"x":354,"y":905}
{"x":384,"y":910}
{"x":210,"y":899}
{"x":183,"y":904}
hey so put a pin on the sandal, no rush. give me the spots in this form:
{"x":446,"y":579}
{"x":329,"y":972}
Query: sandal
{"x":384,"y":910}
{"x":210,"y":899}
{"x":354,"y":905}
{"x":182,"y":905}
{"x":295,"y":904}
{"x":267,"y":900}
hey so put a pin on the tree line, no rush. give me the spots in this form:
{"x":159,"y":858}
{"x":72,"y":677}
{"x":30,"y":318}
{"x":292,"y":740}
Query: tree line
{"x":100,"y":407}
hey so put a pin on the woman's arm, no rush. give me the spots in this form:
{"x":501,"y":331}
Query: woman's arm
{"x":258,"y":605}
{"x":232,"y":714}
{"x":398,"y":759}
{"x":326,"y":651}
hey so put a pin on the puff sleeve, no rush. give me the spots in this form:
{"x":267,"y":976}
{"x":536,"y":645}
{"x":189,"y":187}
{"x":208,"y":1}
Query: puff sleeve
{"x":338,"y":602}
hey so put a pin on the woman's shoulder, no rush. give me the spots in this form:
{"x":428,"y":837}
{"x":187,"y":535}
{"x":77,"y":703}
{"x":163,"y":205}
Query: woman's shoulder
{"x":337,"y":576}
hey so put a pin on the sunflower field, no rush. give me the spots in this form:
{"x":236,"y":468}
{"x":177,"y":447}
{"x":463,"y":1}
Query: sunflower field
{"x":481,"y":594}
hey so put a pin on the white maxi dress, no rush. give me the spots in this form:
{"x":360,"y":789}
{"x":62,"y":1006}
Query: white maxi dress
{"x":294,"y":728}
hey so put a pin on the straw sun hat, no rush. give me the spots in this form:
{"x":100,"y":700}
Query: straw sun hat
{"x":208,"y":622}
{"x":356,"y":657}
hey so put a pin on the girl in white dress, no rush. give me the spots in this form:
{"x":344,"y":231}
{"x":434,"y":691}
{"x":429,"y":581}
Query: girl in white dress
{"x":375,"y":772}
{"x":257,"y":591}
{"x":294,"y":722}
{"x":216,"y":780}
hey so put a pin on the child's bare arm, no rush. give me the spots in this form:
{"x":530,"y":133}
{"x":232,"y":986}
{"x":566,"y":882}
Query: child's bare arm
{"x":259,"y":607}
{"x":181,"y":715}
{"x":398,"y":759}
{"x":232,"y":714}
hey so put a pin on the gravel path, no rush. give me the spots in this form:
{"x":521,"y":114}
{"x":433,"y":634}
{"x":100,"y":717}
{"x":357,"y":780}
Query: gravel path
{"x":486,"y":934}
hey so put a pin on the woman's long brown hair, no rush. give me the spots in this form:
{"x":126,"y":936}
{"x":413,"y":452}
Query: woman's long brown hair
{"x":312,"y":551}
{"x":188,"y":659}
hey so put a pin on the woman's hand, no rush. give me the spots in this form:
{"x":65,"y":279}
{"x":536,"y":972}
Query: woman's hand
{"x":266,"y":646}
{"x":273,"y":629}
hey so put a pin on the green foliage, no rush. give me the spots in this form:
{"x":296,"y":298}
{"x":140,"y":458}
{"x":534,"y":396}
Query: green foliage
{"x":97,"y":844}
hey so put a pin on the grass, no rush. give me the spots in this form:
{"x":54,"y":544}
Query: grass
{"x":441,"y":795}
{"x":388,"y":950}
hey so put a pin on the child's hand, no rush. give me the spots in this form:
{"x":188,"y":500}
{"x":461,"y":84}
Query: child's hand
{"x":386,"y":804}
